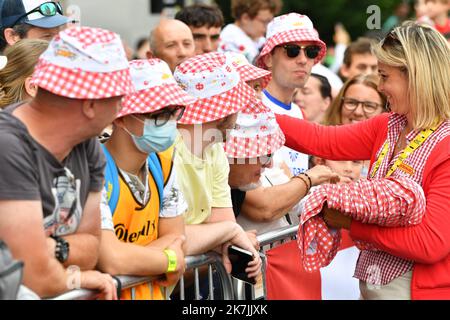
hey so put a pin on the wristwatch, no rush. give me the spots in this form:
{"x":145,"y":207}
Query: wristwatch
{"x":61,"y":249}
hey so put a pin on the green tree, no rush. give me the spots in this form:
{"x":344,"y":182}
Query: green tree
{"x":326,"y":13}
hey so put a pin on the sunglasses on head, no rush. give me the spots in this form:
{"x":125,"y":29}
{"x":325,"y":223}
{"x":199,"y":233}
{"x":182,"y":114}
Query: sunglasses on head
{"x":47,"y":9}
{"x":293,"y":50}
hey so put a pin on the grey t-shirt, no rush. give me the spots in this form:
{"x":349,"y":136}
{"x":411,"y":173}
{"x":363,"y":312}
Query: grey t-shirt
{"x":30,"y":172}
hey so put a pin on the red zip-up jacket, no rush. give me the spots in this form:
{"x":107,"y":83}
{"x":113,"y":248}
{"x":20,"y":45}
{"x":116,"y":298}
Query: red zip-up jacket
{"x":427,"y":244}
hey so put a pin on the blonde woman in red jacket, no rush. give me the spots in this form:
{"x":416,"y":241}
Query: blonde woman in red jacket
{"x":412,"y":141}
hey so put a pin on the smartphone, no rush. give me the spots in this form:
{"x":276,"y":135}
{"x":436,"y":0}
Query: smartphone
{"x":240,"y":259}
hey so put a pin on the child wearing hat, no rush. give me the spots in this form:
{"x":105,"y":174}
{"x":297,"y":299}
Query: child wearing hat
{"x":144,"y":204}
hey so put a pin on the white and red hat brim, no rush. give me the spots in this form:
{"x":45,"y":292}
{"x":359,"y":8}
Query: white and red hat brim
{"x":219,"y":106}
{"x":256,"y":133}
{"x":79,"y":84}
{"x":250,"y":72}
{"x":154,"y":99}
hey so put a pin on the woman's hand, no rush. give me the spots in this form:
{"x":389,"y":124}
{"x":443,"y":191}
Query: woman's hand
{"x":322,"y":174}
{"x":335,"y":219}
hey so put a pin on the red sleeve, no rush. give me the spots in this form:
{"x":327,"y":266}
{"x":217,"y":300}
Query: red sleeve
{"x":348,"y":142}
{"x":428,"y":242}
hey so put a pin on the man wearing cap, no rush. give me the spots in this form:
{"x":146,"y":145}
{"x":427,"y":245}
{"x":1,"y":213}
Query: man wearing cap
{"x":33,"y":19}
{"x":52,"y":164}
{"x":257,"y":204}
{"x":292,"y":48}
{"x":143,"y":230}
{"x":201,"y":161}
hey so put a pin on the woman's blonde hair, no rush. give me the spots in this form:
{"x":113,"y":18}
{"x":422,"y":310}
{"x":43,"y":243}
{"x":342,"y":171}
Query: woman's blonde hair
{"x":22,"y":58}
{"x":333,"y":115}
{"x":424,"y":54}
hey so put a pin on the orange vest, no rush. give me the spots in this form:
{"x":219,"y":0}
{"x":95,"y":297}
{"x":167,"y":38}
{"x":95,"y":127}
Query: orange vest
{"x":139,"y":225}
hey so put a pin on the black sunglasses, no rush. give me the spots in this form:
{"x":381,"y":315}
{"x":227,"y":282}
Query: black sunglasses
{"x":293,"y":50}
{"x":47,"y":9}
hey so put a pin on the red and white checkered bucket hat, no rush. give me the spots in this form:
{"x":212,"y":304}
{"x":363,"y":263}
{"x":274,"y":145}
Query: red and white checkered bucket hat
{"x":292,"y":27}
{"x":155,"y":86}
{"x":256,"y":133}
{"x":247,"y":71}
{"x":216,"y":84}
{"x":84,"y":63}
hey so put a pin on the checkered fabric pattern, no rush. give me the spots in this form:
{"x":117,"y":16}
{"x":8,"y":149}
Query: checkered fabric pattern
{"x":390,"y":267}
{"x":155,"y":87}
{"x":390,"y":202}
{"x":247,"y":71}
{"x":256,"y":133}
{"x":84,"y":63}
{"x":292,"y":27}
{"x":217,"y":86}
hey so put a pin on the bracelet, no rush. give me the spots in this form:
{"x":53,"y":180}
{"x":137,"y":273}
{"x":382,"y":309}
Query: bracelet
{"x":172,"y":260}
{"x":309,"y":178}
{"x":304,"y":181}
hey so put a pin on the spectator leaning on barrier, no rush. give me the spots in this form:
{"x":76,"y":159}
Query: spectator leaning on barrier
{"x":52,"y":164}
{"x":250,"y":147}
{"x":246,"y":34}
{"x":411,"y":142}
{"x":205,"y":22}
{"x":201,"y":164}
{"x":33,"y":19}
{"x":15,"y":79}
{"x":292,"y":48}
{"x":172,"y":42}
{"x":144,"y":234}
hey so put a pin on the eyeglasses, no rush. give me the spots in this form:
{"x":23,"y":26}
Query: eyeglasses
{"x":265,"y":160}
{"x":293,"y":50}
{"x":369,"y":107}
{"x":161,"y":118}
{"x":47,"y":9}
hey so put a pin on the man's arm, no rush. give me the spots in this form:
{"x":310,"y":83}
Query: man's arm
{"x":21,"y":227}
{"x":169,"y":229}
{"x":84,"y":244}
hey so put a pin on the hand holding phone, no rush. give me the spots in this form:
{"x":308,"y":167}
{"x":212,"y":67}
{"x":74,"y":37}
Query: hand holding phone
{"x":240,"y":258}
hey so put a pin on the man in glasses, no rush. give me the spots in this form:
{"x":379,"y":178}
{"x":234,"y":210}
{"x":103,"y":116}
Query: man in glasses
{"x":33,"y":19}
{"x":143,"y":225}
{"x":52,"y":164}
{"x":292,"y":48}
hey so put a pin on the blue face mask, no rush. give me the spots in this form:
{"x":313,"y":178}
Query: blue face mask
{"x":156,"y":139}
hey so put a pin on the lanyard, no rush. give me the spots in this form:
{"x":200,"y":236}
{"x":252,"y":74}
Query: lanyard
{"x":413,"y":146}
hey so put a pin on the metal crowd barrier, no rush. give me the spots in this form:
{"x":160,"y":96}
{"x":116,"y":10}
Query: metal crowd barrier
{"x":231,"y":289}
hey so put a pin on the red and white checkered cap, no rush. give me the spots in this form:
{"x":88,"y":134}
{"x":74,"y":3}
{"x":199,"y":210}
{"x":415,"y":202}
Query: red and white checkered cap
{"x":84,"y":63}
{"x":256,"y":133}
{"x":247,"y":71}
{"x":156,"y":88}
{"x":292,"y":27}
{"x":216,"y":84}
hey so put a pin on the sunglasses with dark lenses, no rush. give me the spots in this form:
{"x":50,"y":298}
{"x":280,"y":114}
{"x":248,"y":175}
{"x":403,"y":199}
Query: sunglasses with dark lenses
{"x":391,"y":40}
{"x":47,"y":9}
{"x":293,"y":50}
{"x":161,"y":118}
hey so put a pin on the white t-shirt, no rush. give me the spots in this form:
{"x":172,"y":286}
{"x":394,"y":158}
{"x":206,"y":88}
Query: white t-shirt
{"x":296,"y":161}
{"x":173,"y":204}
{"x":234,"y":39}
